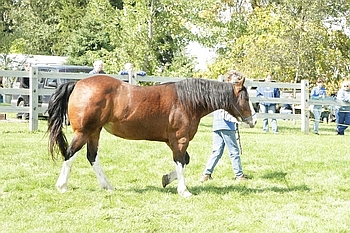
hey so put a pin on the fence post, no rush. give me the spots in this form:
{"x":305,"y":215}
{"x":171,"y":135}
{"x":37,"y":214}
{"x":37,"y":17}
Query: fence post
{"x":33,"y":98}
{"x":305,"y":114}
{"x":132,"y":75}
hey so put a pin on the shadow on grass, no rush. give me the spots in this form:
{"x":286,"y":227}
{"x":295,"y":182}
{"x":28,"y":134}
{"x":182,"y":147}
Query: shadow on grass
{"x":241,"y":188}
{"x":281,"y":176}
{"x":208,"y":188}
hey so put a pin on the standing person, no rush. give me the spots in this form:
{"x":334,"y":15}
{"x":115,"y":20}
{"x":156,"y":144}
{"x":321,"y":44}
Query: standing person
{"x":98,"y":68}
{"x":24,"y":83}
{"x":286,"y":109}
{"x":342,"y":113}
{"x":130,"y":68}
{"x":318,"y":92}
{"x":224,"y":133}
{"x":268,"y":92}
{"x":1,"y":86}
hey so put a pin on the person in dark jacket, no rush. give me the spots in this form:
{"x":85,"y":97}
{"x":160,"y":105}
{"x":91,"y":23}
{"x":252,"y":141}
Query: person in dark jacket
{"x":342,"y":113}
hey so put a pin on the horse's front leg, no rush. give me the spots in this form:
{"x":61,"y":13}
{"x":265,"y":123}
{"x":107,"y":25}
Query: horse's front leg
{"x":181,"y":186}
{"x":180,"y":163}
{"x":171,"y":176}
{"x":168,"y":178}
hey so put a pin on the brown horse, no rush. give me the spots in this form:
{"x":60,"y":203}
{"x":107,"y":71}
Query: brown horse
{"x":168,"y":112}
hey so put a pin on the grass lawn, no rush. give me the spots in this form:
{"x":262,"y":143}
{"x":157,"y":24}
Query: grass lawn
{"x":299,"y":183}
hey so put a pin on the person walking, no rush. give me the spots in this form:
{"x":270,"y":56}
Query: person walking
{"x":342,"y":113}
{"x":224,"y":134}
{"x":268,"y":92}
{"x":318,"y":92}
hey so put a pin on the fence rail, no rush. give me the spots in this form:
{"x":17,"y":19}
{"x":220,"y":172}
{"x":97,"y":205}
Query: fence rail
{"x":301,"y":102}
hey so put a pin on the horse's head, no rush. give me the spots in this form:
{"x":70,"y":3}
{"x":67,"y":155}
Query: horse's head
{"x":242,"y":107}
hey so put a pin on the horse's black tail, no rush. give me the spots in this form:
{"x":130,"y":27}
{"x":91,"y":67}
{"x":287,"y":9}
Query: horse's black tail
{"x":57,"y":110}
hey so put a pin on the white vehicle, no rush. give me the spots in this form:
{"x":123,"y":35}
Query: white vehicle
{"x":46,"y":83}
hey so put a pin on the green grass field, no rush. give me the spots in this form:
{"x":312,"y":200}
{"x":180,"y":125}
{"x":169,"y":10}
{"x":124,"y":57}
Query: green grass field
{"x":299,"y":183}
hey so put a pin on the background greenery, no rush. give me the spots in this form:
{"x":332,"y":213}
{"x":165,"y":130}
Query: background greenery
{"x":289,"y":38}
{"x":299,"y":183}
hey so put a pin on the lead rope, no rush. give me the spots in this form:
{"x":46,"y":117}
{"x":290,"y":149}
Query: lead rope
{"x":239,"y":139}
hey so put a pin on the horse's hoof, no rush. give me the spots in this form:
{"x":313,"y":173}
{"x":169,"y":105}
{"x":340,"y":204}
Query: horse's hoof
{"x":165,"y":180}
{"x":62,"y":188}
{"x":108,"y":188}
{"x":185,"y":193}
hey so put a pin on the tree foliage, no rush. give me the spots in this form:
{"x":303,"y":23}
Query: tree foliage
{"x":292,"y":39}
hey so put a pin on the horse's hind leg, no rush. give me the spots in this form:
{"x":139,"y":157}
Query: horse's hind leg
{"x":92,"y":147}
{"x":62,"y":181}
{"x":76,"y":144}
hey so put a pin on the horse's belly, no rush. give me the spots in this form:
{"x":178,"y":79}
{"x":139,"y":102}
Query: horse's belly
{"x":109,"y":127}
{"x":136,"y":132}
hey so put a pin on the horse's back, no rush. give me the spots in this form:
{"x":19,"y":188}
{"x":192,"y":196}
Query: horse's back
{"x":125,"y":110}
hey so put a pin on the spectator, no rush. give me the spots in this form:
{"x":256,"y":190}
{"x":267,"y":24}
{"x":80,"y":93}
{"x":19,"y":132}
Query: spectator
{"x":98,"y":68}
{"x":317,"y":92}
{"x":130,"y":68}
{"x":342,"y":113}
{"x":1,"y":86}
{"x":286,"y":109}
{"x":268,"y":92}
{"x":24,"y":83}
{"x":224,"y":133}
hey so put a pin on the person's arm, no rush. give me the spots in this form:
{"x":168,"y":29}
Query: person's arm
{"x":313,"y":94}
{"x":141,"y":73}
{"x":227,"y":116}
{"x":342,"y":96}
{"x":259,"y":92}
{"x":346,"y":96}
{"x":123,"y":72}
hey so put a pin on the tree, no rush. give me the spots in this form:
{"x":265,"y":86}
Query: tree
{"x":288,"y":39}
{"x":93,"y":38}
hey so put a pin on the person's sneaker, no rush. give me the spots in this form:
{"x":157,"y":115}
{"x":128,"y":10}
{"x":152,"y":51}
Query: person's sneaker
{"x":338,"y":133}
{"x":241,"y":177}
{"x":205,"y":177}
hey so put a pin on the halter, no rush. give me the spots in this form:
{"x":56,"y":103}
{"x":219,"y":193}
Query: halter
{"x":244,"y":119}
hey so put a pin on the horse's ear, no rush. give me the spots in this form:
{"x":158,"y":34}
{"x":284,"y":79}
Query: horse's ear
{"x":239,"y":83}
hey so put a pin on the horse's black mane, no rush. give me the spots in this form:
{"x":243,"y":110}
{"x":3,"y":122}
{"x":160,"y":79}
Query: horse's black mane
{"x":206,"y":94}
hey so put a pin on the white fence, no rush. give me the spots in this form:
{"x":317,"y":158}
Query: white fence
{"x":302,"y":101}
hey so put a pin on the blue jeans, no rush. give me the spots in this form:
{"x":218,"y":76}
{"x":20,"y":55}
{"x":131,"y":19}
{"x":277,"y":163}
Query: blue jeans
{"x":317,"y":110}
{"x":342,"y":120}
{"x":220,"y":139}
{"x":269,"y":109}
